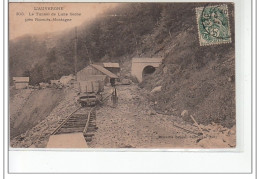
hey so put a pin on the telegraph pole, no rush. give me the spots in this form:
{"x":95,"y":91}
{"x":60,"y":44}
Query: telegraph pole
{"x":76,"y":54}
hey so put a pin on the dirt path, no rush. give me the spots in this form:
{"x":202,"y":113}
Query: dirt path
{"x":132,"y":125}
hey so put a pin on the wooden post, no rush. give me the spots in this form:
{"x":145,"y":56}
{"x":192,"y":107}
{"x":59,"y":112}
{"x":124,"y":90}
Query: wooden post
{"x":196,"y":124}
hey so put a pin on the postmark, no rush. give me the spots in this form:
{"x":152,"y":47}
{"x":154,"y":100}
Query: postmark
{"x":213,"y":25}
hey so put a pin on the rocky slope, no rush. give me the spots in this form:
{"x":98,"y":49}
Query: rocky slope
{"x":200,"y":79}
{"x":37,"y":135}
{"x":28,"y":107}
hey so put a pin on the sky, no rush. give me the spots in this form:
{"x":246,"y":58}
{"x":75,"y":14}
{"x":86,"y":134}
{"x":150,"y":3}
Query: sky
{"x":22,"y":14}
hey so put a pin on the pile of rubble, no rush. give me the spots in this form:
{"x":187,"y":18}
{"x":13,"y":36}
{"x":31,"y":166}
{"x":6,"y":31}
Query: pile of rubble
{"x":213,"y":135}
{"x":217,"y":136}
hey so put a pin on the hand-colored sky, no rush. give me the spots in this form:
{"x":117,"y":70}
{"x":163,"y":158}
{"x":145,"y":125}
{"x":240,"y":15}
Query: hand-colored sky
{"x":18,"y":26}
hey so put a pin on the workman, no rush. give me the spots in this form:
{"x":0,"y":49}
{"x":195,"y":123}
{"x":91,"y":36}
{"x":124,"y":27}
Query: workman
{"x":114,"y":97}
{"x":113,"y":82}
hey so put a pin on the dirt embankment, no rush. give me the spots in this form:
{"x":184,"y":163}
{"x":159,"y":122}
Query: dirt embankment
{"x":64,"y":102}
{"x":28,"y":107}
{"x":208,"y":93}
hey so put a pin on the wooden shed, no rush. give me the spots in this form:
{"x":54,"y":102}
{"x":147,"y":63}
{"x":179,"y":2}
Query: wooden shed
{"x":92,"y":72}
{"x":21,"y":82}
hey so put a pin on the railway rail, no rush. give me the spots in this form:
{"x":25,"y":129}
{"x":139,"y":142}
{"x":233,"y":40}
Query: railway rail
{"x":83,"y":119}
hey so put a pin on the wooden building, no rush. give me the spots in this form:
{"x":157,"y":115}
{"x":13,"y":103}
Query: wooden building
{"x":21,"y":82}
{"x":95,"y":72}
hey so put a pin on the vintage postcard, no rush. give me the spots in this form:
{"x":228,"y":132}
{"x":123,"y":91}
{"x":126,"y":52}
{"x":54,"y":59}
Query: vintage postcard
{"x":122,"y":75}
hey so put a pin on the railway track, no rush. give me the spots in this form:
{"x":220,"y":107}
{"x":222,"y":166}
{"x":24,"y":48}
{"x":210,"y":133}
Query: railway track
{"x":83,"y":119}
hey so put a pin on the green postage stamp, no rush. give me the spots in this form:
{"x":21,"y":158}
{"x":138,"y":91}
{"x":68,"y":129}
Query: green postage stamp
{"x":213,"y":25}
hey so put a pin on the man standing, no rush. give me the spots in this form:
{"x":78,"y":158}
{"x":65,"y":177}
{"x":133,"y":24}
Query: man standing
{"x":114,"y":97}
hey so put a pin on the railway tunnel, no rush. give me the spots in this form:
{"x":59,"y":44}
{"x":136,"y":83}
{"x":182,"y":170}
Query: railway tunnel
{"x":148,"y":70}
{"x":142,"y":67}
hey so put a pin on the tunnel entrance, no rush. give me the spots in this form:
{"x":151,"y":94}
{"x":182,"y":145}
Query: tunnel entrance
{"x":148,"y":70}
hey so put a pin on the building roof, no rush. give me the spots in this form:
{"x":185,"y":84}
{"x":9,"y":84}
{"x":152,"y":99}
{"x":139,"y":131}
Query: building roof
{"x":21,"y":79}
{"x":104,"y":71}
{"x":111,"y":65}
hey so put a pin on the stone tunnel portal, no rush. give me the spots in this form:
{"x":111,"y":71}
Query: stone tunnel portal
{"x":142,"y":67}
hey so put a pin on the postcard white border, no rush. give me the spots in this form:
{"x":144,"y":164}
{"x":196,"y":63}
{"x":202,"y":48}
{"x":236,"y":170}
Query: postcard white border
{"x":147,"y":161}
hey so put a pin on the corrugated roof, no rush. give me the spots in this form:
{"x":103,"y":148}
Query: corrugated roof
{"x":105,"y":71}
{"x":111,"y":65}
{"x":21,"y":79}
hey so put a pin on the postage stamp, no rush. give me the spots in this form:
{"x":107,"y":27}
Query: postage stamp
{"x":213,"y":25}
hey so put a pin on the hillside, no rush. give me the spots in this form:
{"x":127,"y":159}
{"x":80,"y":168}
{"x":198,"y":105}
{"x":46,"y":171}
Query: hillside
{"x":200,"y":79}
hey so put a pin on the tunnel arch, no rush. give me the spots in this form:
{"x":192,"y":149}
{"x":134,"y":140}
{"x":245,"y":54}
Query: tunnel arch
{"x":140,"y":66}
{"x":148,"y":70}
